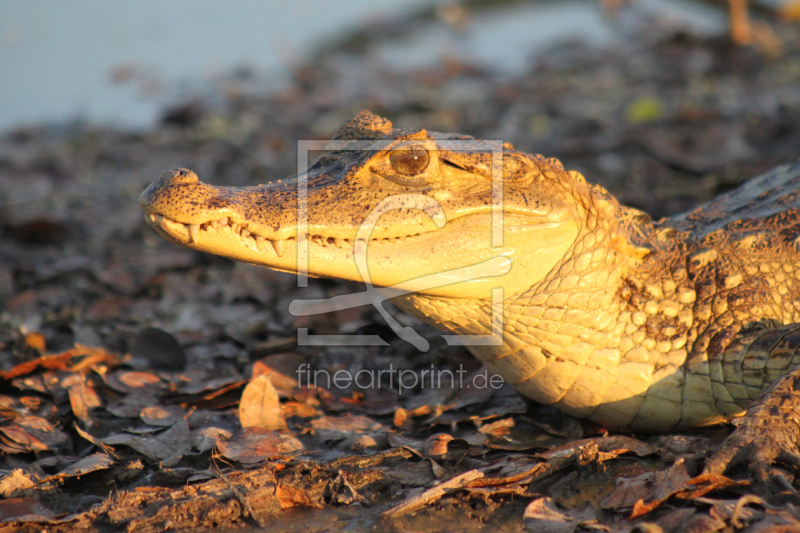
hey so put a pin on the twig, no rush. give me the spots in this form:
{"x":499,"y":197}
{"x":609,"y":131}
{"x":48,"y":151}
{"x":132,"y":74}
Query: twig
{"x":434,"y":493}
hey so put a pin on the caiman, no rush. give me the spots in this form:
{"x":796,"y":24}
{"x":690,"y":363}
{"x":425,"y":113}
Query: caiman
{"x":606,"y":314}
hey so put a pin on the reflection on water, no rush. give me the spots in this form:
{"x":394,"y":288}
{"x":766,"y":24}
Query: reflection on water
{"x":119,"y":62}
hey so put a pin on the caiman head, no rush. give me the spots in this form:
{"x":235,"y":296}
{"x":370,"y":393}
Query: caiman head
{"x":419,"y":206}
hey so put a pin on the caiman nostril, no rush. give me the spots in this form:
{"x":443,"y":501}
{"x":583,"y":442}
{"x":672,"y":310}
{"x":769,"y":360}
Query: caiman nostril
{"x":182,"y":175}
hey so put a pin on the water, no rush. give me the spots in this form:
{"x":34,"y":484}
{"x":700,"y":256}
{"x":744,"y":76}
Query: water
{"x":58,"y":59}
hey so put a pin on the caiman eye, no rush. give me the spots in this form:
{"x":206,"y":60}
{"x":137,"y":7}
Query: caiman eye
{"x":409,"y":161}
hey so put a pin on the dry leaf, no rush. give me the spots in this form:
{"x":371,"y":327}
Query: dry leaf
{"x":290,"y":496}
{"x":260,"y":406}
{"x":436,"y":445}
{"x":205,"y":439}
{"x":156,"y":415}
{"x":137,"y":380}
{"x":543,"y":516}
{"x":82,"y":396}
{"x":167,"y":447}
{"x":92,"y":463}
{"x":251,"y":445}
{"x":15,"y":482}
{"x":24,"y":510}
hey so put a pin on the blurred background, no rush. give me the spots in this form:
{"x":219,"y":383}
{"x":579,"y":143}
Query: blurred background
{"x":119,"y":62}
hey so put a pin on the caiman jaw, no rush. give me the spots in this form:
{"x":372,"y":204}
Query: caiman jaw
{"x":190,"y":235}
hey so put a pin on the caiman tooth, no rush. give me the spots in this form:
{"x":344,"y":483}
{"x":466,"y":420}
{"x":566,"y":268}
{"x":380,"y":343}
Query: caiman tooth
{"x":260,"y":243}
{"x":338,"y":242}
{"x":278,"y":245}
{"x":236,"y":227}
{"x":223,"y":221}
{"x":245,"y":233}
{"x":194,"y":231}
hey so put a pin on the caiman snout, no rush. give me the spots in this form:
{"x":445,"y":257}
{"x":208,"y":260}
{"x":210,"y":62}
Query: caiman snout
{"x":152,"y":194}
{"x":179,"y":195}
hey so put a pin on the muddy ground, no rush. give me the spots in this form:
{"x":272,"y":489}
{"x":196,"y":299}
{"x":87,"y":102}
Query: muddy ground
{"x":129,"y":364}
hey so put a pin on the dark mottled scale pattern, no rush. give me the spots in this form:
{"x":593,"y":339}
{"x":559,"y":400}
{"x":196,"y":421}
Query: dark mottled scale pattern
{"x":744,"y":265}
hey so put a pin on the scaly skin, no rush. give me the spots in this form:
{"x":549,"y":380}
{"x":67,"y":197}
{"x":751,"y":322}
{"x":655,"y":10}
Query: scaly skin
{"x":607,"y":315}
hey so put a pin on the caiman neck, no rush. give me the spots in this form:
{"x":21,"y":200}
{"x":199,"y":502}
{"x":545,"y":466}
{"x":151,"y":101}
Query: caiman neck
{"x":570,"y":321}
{"x":576,"y":302}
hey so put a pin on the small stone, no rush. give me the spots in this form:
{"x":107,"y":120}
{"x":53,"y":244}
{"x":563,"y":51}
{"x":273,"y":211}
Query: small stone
{"x":159,"y":350}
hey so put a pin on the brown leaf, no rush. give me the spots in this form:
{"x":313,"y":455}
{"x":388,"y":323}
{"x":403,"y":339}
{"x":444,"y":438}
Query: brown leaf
{"x":82,"y":396}
{"x":205,"y":439}
{"x":260,"y":406}
{"x":138,"y":380}
{"x":30,"y":434}
{"x":251,"y":445}
{"x":397,"y":440}
{"x":92,"y":463}
{"x":436,"y":445}
{"x":400,"y":417}
{"x":734,"y":510}
{"x":290,"y":496}
{"x":438,"y":471}
{"x":517,"y":435}
{"x":652,"y":487}
{"x":24,"y":509}
{"x":300,"y":410}
{"x":53,"y":362}
{"x":630,"y":491}
{"x":60,"y":361}
{"x":167,"y":447}
{"x":619,"y":444}
{"x":161,"y":416}
{"x":214,"y":393}
{"x":94,"y":440}
{"x":705,"y":483}
{"x":342,"y":427}
{"x":36,"y":341}
{"x":543,"y":516}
